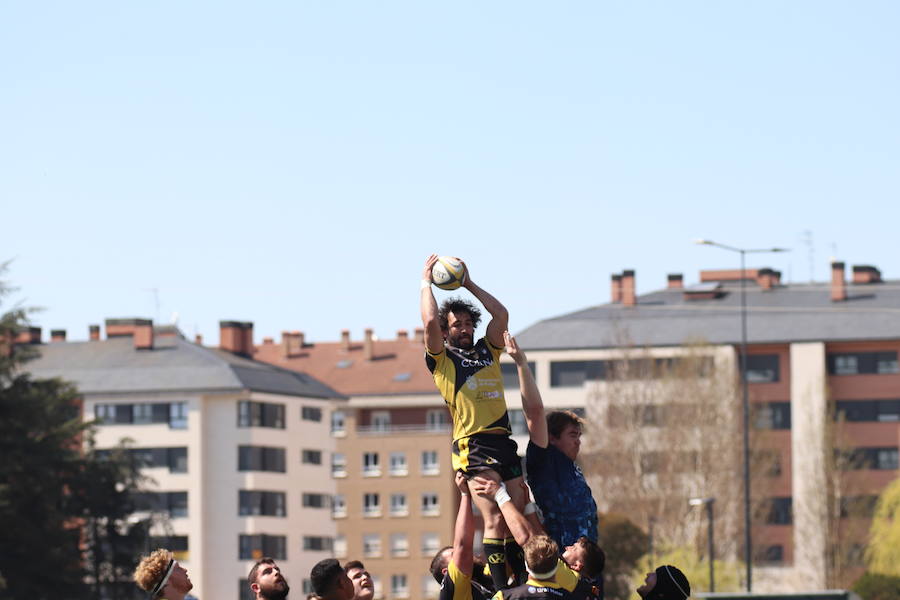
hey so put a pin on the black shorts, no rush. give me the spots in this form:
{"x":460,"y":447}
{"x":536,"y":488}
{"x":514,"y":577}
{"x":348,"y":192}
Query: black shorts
{"x":487,"y":451}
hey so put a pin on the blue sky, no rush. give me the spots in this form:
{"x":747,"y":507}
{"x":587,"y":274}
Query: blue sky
{"x":294,"y":163}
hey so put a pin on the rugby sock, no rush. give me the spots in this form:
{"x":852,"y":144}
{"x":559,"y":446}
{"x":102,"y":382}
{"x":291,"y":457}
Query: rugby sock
{"x":516,"y":559}
{"x":493,"y":549}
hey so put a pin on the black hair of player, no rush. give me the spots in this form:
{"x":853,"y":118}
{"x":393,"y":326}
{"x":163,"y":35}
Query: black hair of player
{"x":457,"y":305}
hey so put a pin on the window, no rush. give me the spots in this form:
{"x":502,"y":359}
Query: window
{"x":779,"y":511}
{"x":261,"y":458}
{"x":862,"y":363}
{"x":399,"y":589}
{"x":770,"y":554}
{"x":338,"y":427}
{"x":371,"y":505}
{"x":882,"y":459}
{"x":860,"y":507}
{"x":255,"y":503}
{"x":430,"y":588}
{"x":254,"y":547}
{"x":145,"y":413}
{"x":884,"y":411}
{"x":260,"y":414}
{"x":311,"y":500}
{"x":338,"y":465}
{"x":178,"y":418}
{"x":306,"y":584}
{"x":381,"y":420}
{"x":430,"y":505}
{"x":399,"y":544}
{"x":437,"y":419}
{"x":398,"y":505}
{"x":762,"y":368}
{"x":177,"y":544}
{"x":574,"y":373}
{"x":517,"y":421}
{"x":398,"y":463}
{"x":338,"y":506}
{"x":311,"y":457}
{"x":772,"y":415}
{"x":370,"y":464}
{"x":511,"y":374}
{"x":311,"y":413}
{"x":173,"y":503}
{"x":174,"y":459}
{"x":317,"y":543}
{"x":430,"y":464}
{"x":376,"y":584}
{"x":371,"y":545}
{"x":244,"y":591}
{"x":340,"y":546}
{"x":431,"y":543}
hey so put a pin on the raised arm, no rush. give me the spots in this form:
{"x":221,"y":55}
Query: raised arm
{"x":464,"y":531}
{"x":532,"y":404}
{"x":434,"y":339}
{"x":499,"y":315}
{"x":521,"y":528}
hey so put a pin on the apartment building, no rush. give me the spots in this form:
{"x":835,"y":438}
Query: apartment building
{"x":238,"y":449}
{"x":815,"y":350}
{"x":395,"y":502}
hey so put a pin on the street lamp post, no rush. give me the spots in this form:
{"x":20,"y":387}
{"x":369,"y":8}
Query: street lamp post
{"x":712,"y":548}
{"x":748,"y":545}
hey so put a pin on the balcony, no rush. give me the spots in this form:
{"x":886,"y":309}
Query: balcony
{"x":372,"y":430}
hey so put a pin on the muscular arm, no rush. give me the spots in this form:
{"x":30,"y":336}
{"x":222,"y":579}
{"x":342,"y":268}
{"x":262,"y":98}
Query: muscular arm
{"x":434,"y":340}
{"x":532,"y":404}
{"x":519,"y":525}
{"x":464,"y":531}
{"x":499,"y":315}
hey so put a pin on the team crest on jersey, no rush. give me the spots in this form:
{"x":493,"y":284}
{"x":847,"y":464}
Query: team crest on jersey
{"x":497,"y":558}
{"x":472,"y":383}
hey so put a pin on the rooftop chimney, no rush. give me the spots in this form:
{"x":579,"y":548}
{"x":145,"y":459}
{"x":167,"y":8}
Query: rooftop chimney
{"x":402,"y":335}
{"x":236,"y":337}
{"x":29,"y":335}
{"x":838,"y":286}
{"x":267,"y":341}
{"x":198,"y":339}
{"x":57,"y":335}
{"x":94,"y":332}
{"x":345,"y":340}
{"x":629,"y":297}
{"x":616,"y":289}
{"x":140,"y":330}
{"x":863,"y":274}
{"x":143,"y":335}
{"x":675,"y":281}
{"x":419,"y":335}
{"x":291,"y":343}
{"x":369,"y":345}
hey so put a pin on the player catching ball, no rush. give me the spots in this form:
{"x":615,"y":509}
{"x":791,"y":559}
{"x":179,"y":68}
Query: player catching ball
{"x":467,"y":374}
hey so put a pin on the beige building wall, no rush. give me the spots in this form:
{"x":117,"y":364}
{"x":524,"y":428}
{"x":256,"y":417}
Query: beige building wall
{"x":213,"y":524}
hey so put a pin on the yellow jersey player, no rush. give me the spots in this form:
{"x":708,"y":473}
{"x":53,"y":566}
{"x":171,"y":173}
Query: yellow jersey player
{"x":467,"y":374}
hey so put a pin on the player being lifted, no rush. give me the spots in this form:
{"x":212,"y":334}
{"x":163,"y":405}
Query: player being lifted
{"x":467,"y":374}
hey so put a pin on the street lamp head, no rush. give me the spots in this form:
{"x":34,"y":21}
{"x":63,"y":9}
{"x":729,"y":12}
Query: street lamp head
{"x":702,"y":242}
{"x":780,"y":250}
{"x":700,"y":501}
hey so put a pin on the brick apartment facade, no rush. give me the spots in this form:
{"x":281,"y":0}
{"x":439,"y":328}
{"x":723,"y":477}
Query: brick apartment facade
{"x":813,"y":349}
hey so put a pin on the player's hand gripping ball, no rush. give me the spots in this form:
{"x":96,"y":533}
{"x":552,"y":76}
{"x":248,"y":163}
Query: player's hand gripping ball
{"x":448,"y":273}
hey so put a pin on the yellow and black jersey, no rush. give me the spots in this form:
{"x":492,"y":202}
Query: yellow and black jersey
{"x":472,"y":386}
{"x":459,"y":586}
{"x":566,"y":585}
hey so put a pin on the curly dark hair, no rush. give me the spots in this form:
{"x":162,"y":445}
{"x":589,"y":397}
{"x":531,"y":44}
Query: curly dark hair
{"x":457,"y":305}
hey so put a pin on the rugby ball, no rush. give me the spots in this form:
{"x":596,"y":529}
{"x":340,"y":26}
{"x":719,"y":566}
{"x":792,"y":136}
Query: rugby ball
{"x":448,"y":273}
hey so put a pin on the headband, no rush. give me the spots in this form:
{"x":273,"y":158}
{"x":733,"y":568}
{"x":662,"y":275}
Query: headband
{"x":546,"y":575}
{"x":165,"y":578}
{"x":669,"y":573}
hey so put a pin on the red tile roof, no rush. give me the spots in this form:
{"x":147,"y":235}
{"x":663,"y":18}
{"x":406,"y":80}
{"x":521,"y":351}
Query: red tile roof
{"x":397,"y":366}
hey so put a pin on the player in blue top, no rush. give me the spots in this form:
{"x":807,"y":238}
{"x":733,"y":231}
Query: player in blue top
{"x":557,"y":483}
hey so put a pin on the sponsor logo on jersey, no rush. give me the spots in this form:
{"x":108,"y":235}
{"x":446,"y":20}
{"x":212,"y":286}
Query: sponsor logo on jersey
{"x":488,"y":395}
{"x":469,"y":362}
